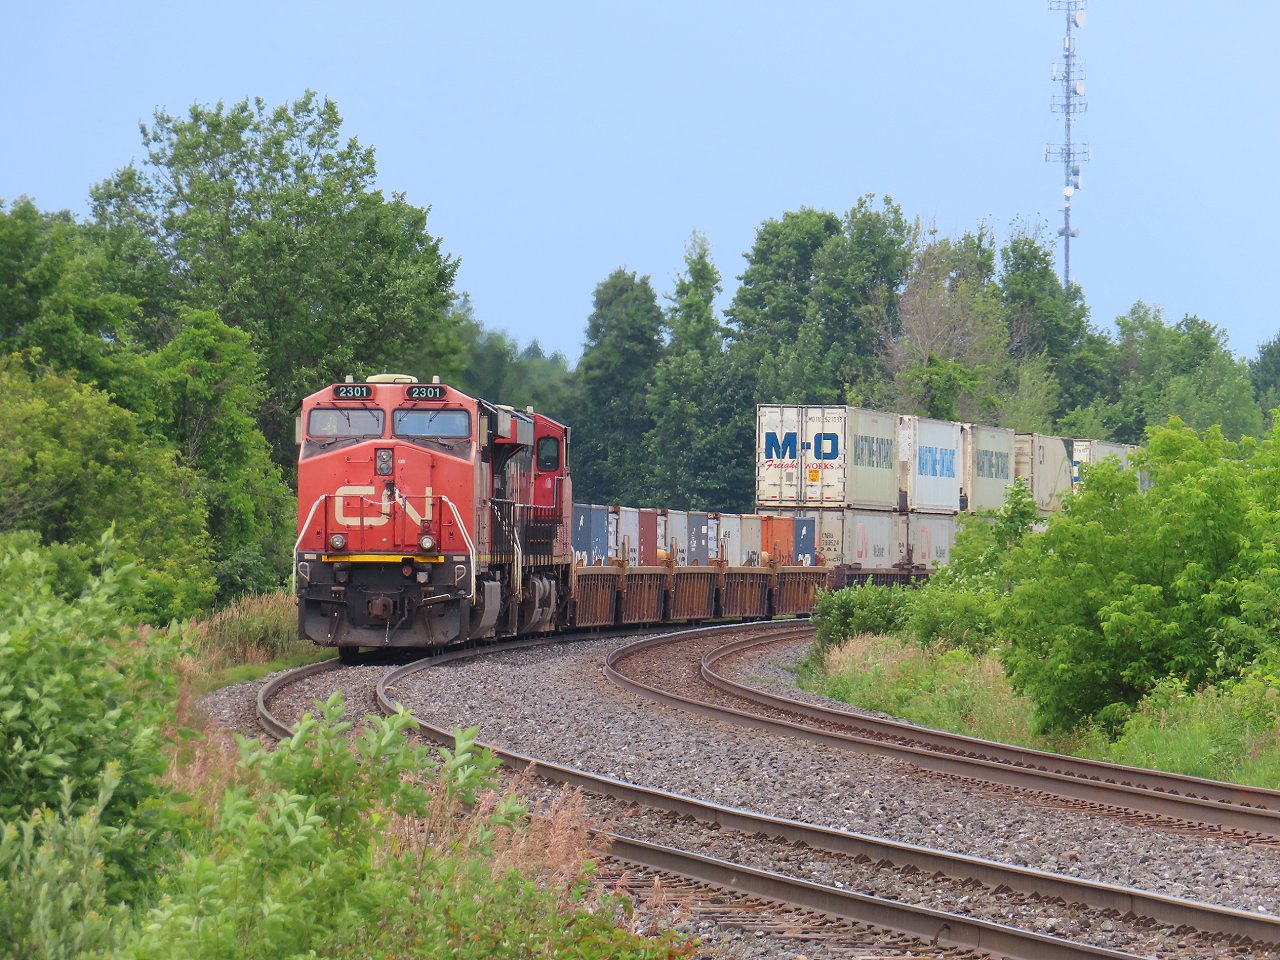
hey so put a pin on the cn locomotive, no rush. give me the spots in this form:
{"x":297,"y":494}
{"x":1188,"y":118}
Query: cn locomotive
{"x":427,"y":517}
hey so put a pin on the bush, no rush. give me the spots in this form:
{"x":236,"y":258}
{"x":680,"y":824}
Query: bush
{"x":862,"y":609}
{"x":952,"y":613}
{"x":81,"y":691}
{"x":357,"y":850}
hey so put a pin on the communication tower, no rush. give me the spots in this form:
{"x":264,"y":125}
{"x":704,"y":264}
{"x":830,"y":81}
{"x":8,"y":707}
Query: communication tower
{"x":1070,"y":102}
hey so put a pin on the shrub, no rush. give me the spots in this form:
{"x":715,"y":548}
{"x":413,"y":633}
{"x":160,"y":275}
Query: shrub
{"x":952,"y":613}
{"x":863,"y":609}
{"x":80,"y":691}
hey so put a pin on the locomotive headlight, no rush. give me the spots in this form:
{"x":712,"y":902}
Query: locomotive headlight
{"x":427,"y":542}
{"x":382,"y":460}
{"x":337,"y":541}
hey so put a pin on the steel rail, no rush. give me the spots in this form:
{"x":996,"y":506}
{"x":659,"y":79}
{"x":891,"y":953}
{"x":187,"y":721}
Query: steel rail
{"x":266,"y":719}
{"x":1258,"y":821}
{"x":1166,"y":910}
{"x":1158,"y":781}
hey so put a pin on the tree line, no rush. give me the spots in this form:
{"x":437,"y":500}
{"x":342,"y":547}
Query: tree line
{"x":153,"y":355}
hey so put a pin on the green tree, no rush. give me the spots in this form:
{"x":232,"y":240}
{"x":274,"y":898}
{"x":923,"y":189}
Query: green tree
{"x":622,"y":349}
{"x":268,"y":218}
{"x":54,"y":298}
{"x":73,"y":464}
{"x":1264,"y":372}
{"x":206,"y":381}
{"x":1185,"y":370}
{"x":693,"y":396}
{"x":1125,"y":588}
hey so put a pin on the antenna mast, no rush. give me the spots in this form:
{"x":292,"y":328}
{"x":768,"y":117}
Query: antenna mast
{"x":1070,"y":73}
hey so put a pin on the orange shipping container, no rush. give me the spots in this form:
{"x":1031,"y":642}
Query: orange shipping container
{"x":777,"y":538}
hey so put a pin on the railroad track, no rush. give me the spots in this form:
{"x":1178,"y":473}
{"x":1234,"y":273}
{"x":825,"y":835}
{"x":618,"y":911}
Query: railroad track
{"x":951,"y":931}
{"x":691,"y":682}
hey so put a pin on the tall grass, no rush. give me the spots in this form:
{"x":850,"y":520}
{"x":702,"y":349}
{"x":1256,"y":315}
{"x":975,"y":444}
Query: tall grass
{"x":1231,"y":732}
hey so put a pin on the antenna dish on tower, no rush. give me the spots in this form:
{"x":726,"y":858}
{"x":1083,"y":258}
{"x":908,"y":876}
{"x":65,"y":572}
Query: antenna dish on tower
{"x":1079,"y":18}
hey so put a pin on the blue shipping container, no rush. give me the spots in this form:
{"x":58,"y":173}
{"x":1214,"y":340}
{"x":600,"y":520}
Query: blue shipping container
{"x":806,"y":540}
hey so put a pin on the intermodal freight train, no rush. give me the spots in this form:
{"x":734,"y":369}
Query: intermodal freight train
{"x":427,"y":517}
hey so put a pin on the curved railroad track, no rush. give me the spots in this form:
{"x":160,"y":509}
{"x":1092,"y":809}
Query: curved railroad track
{"x":686,"y":678}
{"x":1230,"y":926}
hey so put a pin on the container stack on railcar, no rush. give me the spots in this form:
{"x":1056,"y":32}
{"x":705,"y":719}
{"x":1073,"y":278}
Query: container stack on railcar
{"x":427,"y":517}
{"x":885,"y":490}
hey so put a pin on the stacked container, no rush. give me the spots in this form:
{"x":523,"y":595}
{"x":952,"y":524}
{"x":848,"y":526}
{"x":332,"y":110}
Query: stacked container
{"x":1095,"y":451}
{"x":1045,"y":462}
{"x":988,"y":466}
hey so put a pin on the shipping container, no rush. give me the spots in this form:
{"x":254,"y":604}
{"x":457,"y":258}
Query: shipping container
{"x":930,"y":537}
{"x":629,"y":535}
{"x":648,"y":537}
{"x":800,"y":455}
{"x":777,"y":538}
{"x":874,"y":539}
{"x":729,"y":541}
{"x":1045,"y":462}
{"x":1095,"y":451}
{"x":590,"y":534}
{"x":751,"y":539}
{"x":713,"y":537}
{"x":805,"y":540}
{"x":677,"y":542}
{"x":988,"y":466}
{"x":826,"y":456}
{"x":872,"y":471}
{"x":929,"y":461}
{"x":697,"y":539}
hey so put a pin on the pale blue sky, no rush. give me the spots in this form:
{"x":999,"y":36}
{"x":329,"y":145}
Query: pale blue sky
{"x":556,"y":142}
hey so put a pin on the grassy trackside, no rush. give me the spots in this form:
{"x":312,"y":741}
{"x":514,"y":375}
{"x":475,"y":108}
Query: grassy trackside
{"x":1224,"y":733}
{"x":250,"y":638}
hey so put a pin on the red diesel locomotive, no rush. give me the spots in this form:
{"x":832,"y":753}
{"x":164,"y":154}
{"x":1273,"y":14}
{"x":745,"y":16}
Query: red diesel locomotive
{"x":427,"y":517}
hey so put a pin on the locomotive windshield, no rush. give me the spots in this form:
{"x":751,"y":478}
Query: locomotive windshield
{"x":344,"y":422}
{"x":432,"y":424}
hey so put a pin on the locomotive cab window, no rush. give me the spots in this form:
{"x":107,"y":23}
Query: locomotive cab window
{"x":548,"y":454}
{"x":327,"y":423}
{"x":432,"y":424}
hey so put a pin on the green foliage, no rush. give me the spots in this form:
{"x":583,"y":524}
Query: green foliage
{"x":1124,"y":589}
{"x":55,"y":297}
{"x":324,"y":852}
{"x":73,"y":464}
{"x":266,"y":216}
{"x":206,"y":382}
{"x":83,"y":705}
{"x":622,"y":349}
{"x":867,"y":608}
{"x":54,"y":881}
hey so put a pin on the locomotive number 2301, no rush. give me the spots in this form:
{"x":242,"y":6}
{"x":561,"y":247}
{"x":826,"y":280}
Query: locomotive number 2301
{"x":424,"y":391}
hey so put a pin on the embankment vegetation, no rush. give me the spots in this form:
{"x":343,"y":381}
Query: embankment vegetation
{"x":129,"y":831}
{"x":1139,"y":625}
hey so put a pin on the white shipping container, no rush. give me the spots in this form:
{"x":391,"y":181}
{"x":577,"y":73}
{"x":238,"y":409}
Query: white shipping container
{"x":629,"y":534}
{"x":751,"y":536}
{"x":929,"y":458}
{"x":730,"y":539}
{"x":871,"y":442}
{"x":1095,"y":451}
{"x":800,"y":455}
{"x":1045,"y":462}
{"x":988,"y":466}
{"x":677,"y":542}
{"x":874,"y":539}
{"x":930,"y":538}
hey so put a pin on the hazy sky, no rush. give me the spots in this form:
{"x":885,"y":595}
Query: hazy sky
{"x":555,"y":142}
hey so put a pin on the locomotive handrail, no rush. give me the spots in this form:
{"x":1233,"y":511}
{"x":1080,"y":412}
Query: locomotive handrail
{"x":471,"y":549}
{"x":293,"y":573}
